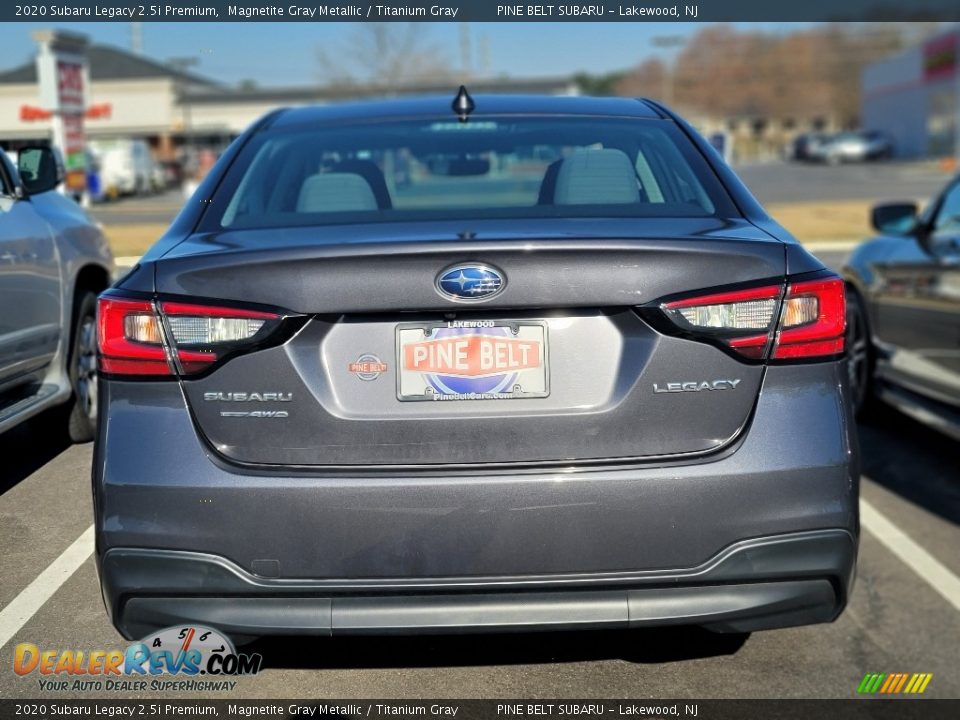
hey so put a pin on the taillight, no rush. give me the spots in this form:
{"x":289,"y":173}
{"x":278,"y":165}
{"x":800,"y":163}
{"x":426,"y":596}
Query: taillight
{"x":143,"y":337}
{"x":129,"y":336}
{"x":813,"y":320}
{"x":808,"y":323}
{"x":741,"y":319}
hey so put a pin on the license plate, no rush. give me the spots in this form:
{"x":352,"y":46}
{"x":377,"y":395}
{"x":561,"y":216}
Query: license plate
{"x":472,"y":360}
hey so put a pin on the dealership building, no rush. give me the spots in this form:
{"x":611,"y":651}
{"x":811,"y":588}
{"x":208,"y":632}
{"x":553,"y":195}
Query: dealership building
{"x":132,"y":96}
{"x":915,"y":98}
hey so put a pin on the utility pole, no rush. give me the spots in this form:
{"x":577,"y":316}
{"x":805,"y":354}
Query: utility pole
{"x":484,"y":53}
{"x":136,"y":38}
{"x":466,"y":60}
{"x":667,"y":42}
{"x":181,"y":64}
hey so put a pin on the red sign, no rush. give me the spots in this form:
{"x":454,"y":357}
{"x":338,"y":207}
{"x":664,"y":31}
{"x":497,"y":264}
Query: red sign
{"x":471,"y":355}
{"x":69,"y":84}
{"x":100,"y":111}
{"x":940,"y":57}
{"x":28,"y":113}
{"x":370,"y":366}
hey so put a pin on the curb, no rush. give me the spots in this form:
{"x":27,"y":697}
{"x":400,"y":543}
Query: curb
{"x":835,"y":245}
{"x":126,"y":261}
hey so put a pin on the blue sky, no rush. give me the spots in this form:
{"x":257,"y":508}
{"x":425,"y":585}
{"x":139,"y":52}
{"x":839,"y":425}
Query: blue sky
{"x":285,"y":53}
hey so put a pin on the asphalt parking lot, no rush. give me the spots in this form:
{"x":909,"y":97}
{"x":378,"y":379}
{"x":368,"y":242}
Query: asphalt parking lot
{"x":778,"y":182}
{"x":904,"y":615}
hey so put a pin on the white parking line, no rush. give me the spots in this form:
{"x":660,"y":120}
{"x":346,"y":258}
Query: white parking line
{"x":25,"y":605}
{"x":816,"y":246}
{"x":935,"y":573}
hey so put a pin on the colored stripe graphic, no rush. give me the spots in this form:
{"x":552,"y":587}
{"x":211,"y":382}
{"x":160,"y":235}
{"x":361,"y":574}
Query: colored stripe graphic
{"x":901,"y":682}
{"x":894,"y":683}
{"x":871,"y":683}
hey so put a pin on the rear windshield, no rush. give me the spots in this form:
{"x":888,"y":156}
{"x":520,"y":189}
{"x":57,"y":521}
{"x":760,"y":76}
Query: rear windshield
{"x":507,"y":167}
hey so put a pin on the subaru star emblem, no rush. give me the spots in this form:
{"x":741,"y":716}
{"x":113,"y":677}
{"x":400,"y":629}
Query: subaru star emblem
{"x":470,"y":283}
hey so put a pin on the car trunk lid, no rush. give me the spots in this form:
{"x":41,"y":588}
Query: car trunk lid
{"x":578,"y":374}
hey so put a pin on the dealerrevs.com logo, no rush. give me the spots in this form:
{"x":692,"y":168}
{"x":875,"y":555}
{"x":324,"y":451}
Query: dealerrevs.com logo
{"x":177,"y":658}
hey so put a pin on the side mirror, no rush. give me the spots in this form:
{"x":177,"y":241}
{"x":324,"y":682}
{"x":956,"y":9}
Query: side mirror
{"x":40,"y":168}
{"x":894,"y":218}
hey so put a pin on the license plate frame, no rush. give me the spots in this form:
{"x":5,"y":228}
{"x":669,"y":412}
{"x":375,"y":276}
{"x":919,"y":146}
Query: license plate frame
{"x":433,"y":387}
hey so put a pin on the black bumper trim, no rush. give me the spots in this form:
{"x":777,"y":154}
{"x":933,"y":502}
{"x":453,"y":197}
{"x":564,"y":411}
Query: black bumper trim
{"x":779,"y":581}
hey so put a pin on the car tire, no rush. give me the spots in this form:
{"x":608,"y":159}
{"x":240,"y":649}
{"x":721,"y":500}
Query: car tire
{"x":82,"y":370}
{"x":859,"y":356}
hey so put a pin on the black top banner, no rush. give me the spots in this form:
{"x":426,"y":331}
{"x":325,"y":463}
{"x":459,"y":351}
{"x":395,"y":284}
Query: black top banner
{"x":482,"y":11}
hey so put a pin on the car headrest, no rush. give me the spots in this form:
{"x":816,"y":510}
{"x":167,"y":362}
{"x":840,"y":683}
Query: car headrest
{"x":548,"y":186}
{"x":596,"y":177}
{"x":336,"y":192}
{"x":368,"y":170}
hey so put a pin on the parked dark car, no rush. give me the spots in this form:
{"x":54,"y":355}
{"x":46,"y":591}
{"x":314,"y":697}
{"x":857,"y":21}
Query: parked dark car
{"x":53,"y":263}
{"x":807,"y":146}
{"x":904,"y":311}
{"x":567,"y":374}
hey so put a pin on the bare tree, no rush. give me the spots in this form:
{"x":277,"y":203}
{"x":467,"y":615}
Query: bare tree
{"x":815,"y":72}
{"x":385,"y":54}
{"x":647,"y":80}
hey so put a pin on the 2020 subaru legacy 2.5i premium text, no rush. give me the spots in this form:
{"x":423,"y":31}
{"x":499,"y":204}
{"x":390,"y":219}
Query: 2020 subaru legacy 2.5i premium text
{"x":545,"y":365}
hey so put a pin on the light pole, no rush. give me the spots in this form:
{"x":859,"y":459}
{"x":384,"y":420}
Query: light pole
{"x":180,"y":64}
{"x":666,"y":42}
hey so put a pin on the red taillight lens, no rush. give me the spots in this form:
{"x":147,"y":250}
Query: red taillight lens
{"x":129,"y":338}
{"x":134,"y":340}
{"x":810,"y":323}
{"x":813,"y":320}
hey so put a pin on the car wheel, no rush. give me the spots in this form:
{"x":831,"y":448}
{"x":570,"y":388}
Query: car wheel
{"x":859,"y":354}
{"x":82,"y":417}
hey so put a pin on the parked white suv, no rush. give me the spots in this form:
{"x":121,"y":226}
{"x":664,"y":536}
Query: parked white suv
{"x":126,"y":167}
{"x":53,"y":262}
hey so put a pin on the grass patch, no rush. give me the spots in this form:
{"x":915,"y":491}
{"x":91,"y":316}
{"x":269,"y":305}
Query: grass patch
{"x":133,"y":239}
{"x":818,"y":221}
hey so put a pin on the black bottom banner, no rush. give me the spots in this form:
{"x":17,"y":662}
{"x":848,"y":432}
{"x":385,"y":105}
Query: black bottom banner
{"x":470,"y":709}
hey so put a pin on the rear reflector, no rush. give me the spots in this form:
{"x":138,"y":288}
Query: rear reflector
{"x":134,"y":341}
{"x":811,"y":319}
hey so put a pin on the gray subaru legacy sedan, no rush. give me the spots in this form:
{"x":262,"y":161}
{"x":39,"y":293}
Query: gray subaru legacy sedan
{"x":522,"y":363}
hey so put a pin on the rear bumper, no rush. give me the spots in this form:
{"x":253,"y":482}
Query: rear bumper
{"x":758,"y":584}
{"x":762,"y":535}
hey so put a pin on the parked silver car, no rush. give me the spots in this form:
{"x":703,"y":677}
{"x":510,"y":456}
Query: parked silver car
{"x":53,"y":262}
{"x":856,"y":147}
